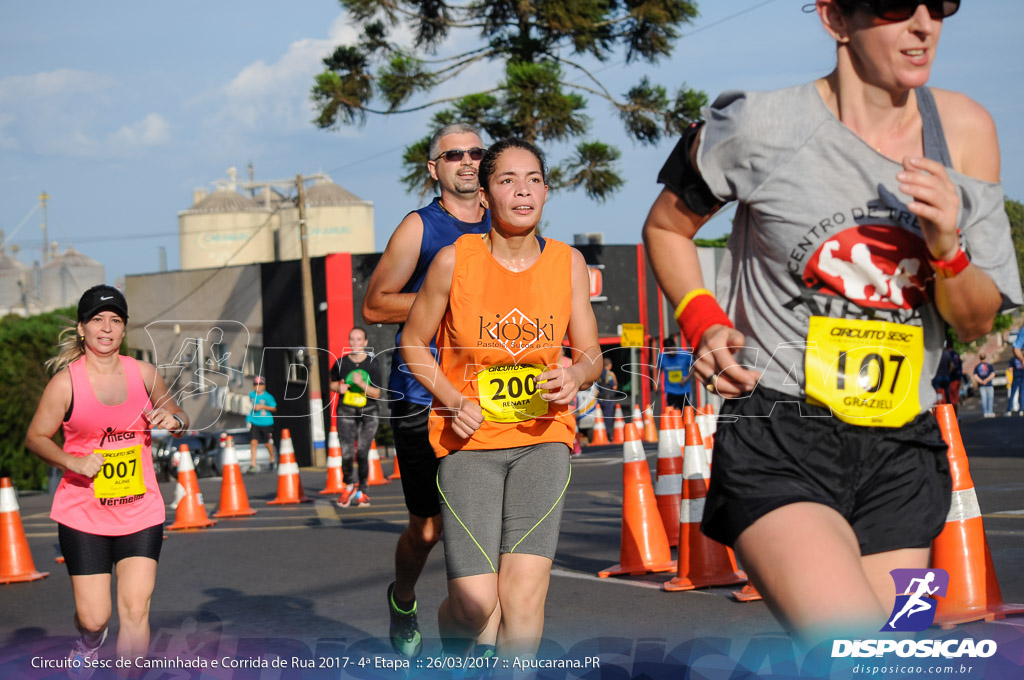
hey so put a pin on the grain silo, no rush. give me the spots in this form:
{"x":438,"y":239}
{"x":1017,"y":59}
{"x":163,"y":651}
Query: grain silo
{"x":66,"y":276}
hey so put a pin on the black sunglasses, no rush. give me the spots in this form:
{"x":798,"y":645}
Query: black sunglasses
{"x":901,"y":10}
{"x":455,"y":155}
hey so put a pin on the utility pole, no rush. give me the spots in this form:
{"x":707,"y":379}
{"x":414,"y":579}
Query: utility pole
{"x":319,"y":453}
{"x":46,"y":243}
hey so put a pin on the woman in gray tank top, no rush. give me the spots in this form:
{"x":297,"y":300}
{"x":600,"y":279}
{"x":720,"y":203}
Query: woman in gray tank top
{"x":862,"y":229}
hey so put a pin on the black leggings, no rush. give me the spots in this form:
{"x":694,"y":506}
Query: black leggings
{"x":356,"y":430}
{"x":86,"y":553}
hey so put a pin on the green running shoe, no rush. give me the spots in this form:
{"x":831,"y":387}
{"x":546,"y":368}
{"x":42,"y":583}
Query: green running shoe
{"x":405,"y":632}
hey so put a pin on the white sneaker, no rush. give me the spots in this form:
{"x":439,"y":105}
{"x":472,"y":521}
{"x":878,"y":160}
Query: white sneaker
{"x":82,"y":658}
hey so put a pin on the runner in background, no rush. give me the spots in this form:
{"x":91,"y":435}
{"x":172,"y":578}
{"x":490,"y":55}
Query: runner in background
{"x":357,"y":378}
{"x":455,"y":153}
{"x":502,"y":422}
{"x":108,"y":507}
{"x":261,"y":420}
{"x":850,"y":251}
{"x":674,"y":364}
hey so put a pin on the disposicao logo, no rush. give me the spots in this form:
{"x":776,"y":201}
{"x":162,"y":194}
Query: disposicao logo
{"x":914,"y":609}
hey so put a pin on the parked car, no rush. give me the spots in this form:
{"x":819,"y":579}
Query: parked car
{"x":203,"y":446}
{"x":241,"y":437}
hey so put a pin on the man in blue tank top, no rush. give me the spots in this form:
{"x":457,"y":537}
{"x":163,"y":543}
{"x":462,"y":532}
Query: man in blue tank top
{"x":455,"y":153}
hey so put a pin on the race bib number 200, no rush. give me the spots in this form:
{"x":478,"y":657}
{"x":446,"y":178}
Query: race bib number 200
{"x":867,"y":372}
{"x":510,"y":394}
{"x":121,"y":474}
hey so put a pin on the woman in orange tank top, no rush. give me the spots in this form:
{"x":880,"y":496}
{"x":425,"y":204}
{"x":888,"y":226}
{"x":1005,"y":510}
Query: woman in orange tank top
{"x":502,"y":422}
{"x":108,"y":507}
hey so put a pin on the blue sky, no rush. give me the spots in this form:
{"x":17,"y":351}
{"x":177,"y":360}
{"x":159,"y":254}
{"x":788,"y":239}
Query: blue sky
{"x":119,"y":110}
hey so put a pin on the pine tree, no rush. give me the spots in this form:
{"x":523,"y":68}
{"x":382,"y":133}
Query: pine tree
{"x":543,"y":44}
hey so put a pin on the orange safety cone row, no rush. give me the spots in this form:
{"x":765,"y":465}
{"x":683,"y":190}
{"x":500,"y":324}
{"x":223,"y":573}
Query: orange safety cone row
{"x":234,"y":502}
{"x":962,"y":549}
{"x":668,"y":481}
{"x":618,"y":429}
{"x":644,"y":547}
{"x":599,"y":435}
{"x":289,"y":484}
{"x":16,"y":565}
{"x":395,"y":472}
{"x":376,"y":476}
{"x":190,"y":511}
{"x":702,"y":561}
{"x":335,"y":479}
{"x":650,"y":429}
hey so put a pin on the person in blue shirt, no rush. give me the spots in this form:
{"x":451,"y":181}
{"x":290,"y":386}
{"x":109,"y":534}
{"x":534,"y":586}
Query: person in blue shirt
{"x":1017,"y":378}
{"x":674,"y":373}
{"x":261,"y":420}
{"x":984,"y":374}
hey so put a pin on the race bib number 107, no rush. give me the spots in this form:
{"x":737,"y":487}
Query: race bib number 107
{"x":867,"y":372}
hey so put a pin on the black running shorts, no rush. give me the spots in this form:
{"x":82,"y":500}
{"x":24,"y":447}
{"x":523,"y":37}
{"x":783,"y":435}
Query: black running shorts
{"x":263,"y":434}
{"x":891,"y":484}
{"x":86,"y":553}
{"x":416,"y":459}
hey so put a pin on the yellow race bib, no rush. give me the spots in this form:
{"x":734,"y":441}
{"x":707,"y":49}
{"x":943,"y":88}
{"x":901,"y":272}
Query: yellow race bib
{"x":867,"y":372}
{"x":509,"y":394}
{"x":121,"y":474}
{"x":675,"y":376}
{"x":353,"y":398}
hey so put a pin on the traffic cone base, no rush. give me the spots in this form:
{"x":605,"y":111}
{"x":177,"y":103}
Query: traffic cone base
{"x":16,"y":564}
{"x":747,"y":594}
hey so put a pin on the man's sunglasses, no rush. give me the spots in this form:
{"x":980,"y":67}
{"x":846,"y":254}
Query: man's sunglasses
{"x":901,"y":10}
{"x":455,"y":155}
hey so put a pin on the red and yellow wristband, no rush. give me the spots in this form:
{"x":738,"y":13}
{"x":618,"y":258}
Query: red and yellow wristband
{"x":697,"y":312}
{"x":947,"y":269}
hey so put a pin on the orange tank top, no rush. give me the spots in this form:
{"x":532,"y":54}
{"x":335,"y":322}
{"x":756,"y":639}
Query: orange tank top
{"x":501,"y":330}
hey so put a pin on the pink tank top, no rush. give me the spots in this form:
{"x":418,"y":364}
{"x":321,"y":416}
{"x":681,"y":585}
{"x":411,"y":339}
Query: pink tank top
{"x":124,"y":497}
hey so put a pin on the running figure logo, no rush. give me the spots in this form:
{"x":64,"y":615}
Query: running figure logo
{"x":915,"y":608}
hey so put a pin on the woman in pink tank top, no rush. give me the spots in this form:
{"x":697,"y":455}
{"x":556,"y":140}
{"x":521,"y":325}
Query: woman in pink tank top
{"x":108,"y":506}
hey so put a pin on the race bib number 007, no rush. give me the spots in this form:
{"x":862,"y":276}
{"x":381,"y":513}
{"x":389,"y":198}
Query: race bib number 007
{"x":509,"y":394}
{"x":121,"y":474}
{"x":866,"y":372}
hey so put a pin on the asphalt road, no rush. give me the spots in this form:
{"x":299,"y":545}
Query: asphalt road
{"x":306,"y":583}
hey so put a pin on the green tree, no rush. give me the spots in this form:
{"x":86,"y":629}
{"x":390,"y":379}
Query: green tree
{"x":542,"y":97}
{"x":28,"y":343}
{"x":1015,"y":211}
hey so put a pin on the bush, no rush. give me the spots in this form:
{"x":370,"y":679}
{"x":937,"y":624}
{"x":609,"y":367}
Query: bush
{"x":28,"y":343}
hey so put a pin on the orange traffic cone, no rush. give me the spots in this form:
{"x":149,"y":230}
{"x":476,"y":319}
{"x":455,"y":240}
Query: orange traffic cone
{"x":650,"y":429}
{"x":289,"y":484}
{"x":668,"y":482}
{"x":638,"y":418}
{"x":395,"y":472}
{"x":747,"y":594}
{"x":186,"y":483}
{"x":335,"y":480}
{"x":688,"y":416}
{"x":644,"y":546}
{"x":599,"y":436}
{"x":190,"y":512}
{"x":376,"y":476}
{"x":707,"y":421}
{"x":16,"y":563}
{"x":962,"y":549}
{"x":702,"y":561}
{"x":234,"y":502}
{"x":618,"y":429}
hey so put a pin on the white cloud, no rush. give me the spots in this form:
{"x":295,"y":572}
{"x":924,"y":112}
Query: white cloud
{"x":64,"y":113}
{"x":152,"y":130}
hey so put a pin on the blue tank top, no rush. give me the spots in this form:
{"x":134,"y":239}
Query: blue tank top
{"x":440,"y":229}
